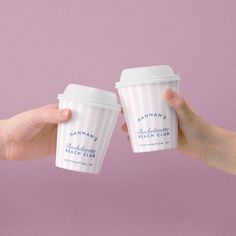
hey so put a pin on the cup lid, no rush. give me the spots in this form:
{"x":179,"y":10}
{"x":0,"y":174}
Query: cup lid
{"x":87,"y":94}
{"x":147,"y":74}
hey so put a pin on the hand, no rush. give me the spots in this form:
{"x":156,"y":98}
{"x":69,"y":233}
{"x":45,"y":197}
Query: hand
{"x":193,"y":130}
{"x":199,"y":139}
{"x":31,"y":134}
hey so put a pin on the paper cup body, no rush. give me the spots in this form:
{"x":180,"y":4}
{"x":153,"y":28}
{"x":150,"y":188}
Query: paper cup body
{"x":152,"y":123}
{"x":83,"y":141}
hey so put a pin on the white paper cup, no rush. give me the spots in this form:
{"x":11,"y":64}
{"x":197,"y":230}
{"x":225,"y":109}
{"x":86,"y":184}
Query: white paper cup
{"x":151,"y":122}
{"x":82,"y":141}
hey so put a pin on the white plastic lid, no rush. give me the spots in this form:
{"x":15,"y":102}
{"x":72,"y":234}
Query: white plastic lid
{"x":87,"y":94}
{"x":147,"y":74}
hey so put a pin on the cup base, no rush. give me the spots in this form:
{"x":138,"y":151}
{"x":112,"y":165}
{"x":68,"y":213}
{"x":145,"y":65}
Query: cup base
{"x":76,"y":170}
{"x":155,"y":150}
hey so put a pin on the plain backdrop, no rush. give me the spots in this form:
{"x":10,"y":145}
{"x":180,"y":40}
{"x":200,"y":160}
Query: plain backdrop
{"x":47,"y":44}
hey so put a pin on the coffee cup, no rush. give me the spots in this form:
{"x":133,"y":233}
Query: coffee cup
{"x":152,"y":123}
{"x":82,"y":142}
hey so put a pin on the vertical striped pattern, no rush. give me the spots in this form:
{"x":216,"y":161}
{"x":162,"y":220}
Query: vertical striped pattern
{"x":138,"y":100}
{"x":95,"y":120}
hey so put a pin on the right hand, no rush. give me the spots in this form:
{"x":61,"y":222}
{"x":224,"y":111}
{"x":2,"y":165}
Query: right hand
{"x":193,"y":130}
{"x":199,"y":139}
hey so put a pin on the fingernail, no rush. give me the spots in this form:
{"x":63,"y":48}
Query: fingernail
{"x":170,"y":93}
{"x":64,"y":113}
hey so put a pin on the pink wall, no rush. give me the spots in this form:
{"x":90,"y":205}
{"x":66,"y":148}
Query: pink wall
{"x":46,"y":44}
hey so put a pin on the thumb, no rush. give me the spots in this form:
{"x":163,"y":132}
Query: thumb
{"x":45,"y":115}
{"x":29,"y":123}
{"x":177,"y":102}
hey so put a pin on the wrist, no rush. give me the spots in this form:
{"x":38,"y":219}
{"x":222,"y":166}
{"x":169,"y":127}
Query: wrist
{"x":208,"y":143}
{"x":219,"y":151}
{"x":200,"y":136}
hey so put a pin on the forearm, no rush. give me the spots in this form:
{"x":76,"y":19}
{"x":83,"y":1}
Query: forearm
{"x":220,"y":150}
{"x":3,"y":142}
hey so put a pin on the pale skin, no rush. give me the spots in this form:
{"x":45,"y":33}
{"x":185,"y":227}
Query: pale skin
{"x":199,"y":139}
{"x":32,"y":134}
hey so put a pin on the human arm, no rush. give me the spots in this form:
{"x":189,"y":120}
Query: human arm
{"x":200,"y":139}
{"x":31,"y":134}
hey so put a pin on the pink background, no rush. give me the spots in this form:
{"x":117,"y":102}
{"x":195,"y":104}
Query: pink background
{"x":46,"y":44}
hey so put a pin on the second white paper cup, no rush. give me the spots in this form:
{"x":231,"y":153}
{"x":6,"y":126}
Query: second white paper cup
{"x":82,"y":141}
{"x":151,"y":122}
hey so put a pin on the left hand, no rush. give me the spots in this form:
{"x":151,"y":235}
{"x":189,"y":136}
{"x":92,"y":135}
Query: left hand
{"x":32,"y":134}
